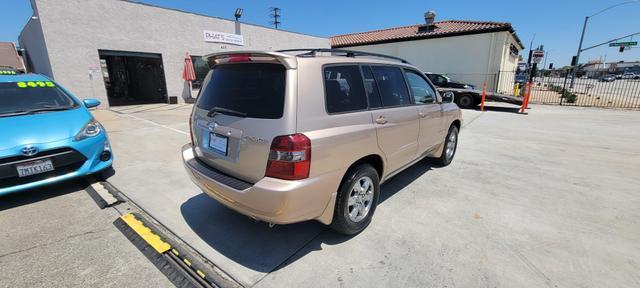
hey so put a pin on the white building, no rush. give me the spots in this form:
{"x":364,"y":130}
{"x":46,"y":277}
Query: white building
{"x":467,"y":51}
{"x":9,"y":56}
{"x":123,"y":52}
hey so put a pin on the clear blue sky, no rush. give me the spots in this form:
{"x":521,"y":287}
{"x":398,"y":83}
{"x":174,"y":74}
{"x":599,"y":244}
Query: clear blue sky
{"x":556,"y":23}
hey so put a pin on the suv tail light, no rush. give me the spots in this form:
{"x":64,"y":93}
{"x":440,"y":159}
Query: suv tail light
{"x":290,"y":157}
{"x":239,"y":58}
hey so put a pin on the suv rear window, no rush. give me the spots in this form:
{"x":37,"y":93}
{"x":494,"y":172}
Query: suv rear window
{"x":344,"y":90}
{"x":256,"y":89}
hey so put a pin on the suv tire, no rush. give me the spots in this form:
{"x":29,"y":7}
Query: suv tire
{"x":361,"y":185}
{"x":450,"y":142}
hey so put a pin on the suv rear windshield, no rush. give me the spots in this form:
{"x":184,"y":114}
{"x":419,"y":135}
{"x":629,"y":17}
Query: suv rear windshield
{"x":15,"y":99}
{"x":255,"y":89}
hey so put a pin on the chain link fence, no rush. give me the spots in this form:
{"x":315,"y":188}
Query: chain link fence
{"x":555,"y":87}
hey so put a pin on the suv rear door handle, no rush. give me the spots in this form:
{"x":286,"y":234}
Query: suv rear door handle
{"x":381,"y":120}
{"x":422,"y":114}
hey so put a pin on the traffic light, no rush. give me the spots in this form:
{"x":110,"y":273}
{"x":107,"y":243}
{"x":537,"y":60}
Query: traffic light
{"x":621,"y":49}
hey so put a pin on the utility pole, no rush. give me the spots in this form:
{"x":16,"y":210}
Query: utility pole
{"x":544,"y":64}
{"x":530,"y":55}
{"x":275,"y":13}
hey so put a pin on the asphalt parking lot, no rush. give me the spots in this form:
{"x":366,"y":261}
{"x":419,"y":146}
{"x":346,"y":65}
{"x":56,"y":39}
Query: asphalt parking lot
{"x":58,"y":237}
{"x":547,"y":199}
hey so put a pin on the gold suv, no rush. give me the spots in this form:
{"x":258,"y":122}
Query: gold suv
{"x":295,"y":135}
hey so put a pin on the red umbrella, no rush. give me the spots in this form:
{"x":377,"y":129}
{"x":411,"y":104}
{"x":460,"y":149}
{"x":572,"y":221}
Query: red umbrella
{"x":188,"y":73}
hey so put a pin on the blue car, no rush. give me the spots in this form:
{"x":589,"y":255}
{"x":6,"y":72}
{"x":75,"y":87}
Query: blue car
{"x":46,"y":134}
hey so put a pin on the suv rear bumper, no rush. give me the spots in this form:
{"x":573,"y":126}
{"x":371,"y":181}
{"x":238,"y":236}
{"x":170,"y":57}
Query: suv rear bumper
{"x":271,"y":200}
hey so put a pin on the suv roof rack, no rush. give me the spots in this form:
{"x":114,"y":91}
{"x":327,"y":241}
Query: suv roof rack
{"x":346,"y":53}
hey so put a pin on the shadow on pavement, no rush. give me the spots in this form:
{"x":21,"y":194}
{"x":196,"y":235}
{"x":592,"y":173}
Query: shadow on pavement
{"x":40,"y":194}
{"x":104,"y":175}
{"x":256,"y":246}
{"x":500,"y":109}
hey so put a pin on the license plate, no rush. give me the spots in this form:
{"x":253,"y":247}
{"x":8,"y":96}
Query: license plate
{"x":219,"y":143}
{"x":35,"y":167}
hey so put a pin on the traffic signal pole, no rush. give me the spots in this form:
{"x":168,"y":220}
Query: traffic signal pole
{"x":575,"y":68}
{"x":584,"y":28}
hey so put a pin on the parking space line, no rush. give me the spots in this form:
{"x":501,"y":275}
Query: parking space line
{"x":150,"y":122}
{"x":467,"y":123}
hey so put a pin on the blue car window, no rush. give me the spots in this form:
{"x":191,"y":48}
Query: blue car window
{"x":16,"y":98}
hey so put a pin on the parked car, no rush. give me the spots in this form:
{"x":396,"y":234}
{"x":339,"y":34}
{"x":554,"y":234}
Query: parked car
{"x":445,"y":82}
{"x":630,"y":75}
{"x":47,"y":134}
{"x":608,"y":78}
{"x":292,"y":136}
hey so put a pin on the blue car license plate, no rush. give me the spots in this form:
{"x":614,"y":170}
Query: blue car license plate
{"x":34,"y":167}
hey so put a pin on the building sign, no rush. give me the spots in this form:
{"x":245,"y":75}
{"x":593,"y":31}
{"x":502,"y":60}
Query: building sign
{"x":221,"y":37}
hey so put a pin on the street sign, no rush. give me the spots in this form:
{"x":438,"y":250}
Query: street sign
{"x":626,"y":44}
{"x":537,"y":56}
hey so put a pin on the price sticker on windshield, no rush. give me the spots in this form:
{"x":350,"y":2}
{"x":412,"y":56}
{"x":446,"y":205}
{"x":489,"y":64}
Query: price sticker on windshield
{"x":35,"y":84}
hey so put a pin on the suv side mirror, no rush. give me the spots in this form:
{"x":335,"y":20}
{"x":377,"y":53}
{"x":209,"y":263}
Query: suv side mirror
{"x":447,"y":97}
{"x":91,"y":103}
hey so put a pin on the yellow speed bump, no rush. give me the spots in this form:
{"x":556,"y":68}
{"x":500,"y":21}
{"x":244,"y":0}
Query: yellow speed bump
{"x":201,"y":274}
{"x":151,"y":238}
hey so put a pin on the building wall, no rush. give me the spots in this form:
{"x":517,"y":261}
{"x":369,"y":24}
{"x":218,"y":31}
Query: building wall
{"x":508,"y":66}
{"x":472,"y":59}
{"x":9,"y":56}
{"x":509,"y":62}
{"x":74,"y":36}
{"x":31,"y":39}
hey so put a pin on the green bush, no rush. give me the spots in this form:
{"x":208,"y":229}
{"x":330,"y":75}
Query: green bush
{"x":569,"y":96}
{"x":555,"y":88}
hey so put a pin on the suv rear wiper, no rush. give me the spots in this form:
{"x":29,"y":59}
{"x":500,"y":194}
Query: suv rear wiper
{"x":216,"y":110}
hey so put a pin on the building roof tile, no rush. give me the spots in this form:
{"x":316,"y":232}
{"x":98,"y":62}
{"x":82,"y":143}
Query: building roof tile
{"x":414,"y":32}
